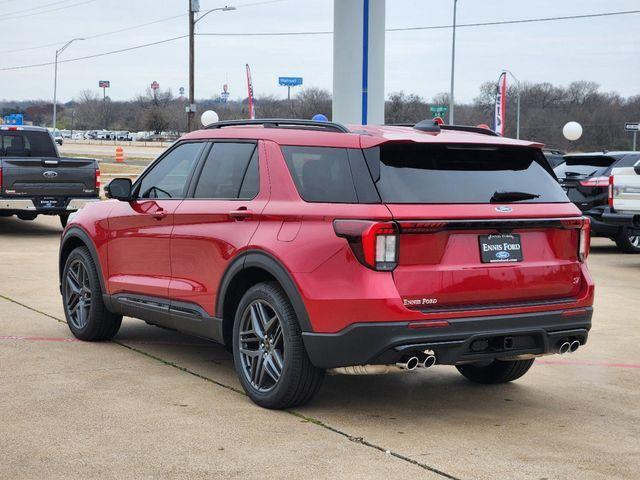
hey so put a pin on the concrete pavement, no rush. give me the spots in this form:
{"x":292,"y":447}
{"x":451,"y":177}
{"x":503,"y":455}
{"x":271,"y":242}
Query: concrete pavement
{"x":160,"y":404}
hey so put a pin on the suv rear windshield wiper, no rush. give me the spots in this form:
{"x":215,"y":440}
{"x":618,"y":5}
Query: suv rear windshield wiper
{"x":512,"y":196}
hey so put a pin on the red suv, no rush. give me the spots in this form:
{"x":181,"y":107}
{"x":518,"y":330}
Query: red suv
{"x":305,"y":246}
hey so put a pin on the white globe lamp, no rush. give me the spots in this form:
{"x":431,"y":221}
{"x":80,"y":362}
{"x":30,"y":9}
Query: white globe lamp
{"x":572,"y":131}
{"x":209,"y":117}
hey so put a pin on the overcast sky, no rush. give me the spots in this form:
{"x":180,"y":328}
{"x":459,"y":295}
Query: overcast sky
{"x":605,"y":50}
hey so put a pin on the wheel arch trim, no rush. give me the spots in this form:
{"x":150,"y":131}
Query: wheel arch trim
{"x":79,"y":233}
{"x":270,"y":264}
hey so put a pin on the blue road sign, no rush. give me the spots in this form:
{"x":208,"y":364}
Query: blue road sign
{"x":290,"y":81}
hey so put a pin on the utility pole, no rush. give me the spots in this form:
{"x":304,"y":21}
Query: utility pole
{"x":453,"y":63}
{"x":55,"y":81}
{"x":193,"y":7}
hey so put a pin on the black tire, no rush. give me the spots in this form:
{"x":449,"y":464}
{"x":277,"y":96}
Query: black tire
{"x":298,"y":379}
{"x":64,"y":218}
{"x":92,"y":322}
{"x":497,"y":371}
{"x":628,"y":243}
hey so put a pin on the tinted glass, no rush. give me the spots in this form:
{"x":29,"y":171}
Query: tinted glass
{"x":423,"y":173}
{"x":27,"y":144}
{"x":321,"y":174}
{"x":168,"y":178}
{"x":251,"y":183}
{"x":583,"y":166}
{"x":224,"y":170}
{"x":627,"y":161}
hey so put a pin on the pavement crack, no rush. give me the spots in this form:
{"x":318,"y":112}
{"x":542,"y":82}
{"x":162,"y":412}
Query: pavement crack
{"x":313,"y":420}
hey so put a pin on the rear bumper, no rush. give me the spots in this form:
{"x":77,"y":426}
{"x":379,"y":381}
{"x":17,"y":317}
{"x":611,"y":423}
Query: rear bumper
{"x":622,"y":219}
{"x":28,"y":205}
{"x":506,"y":335}
{"x":606,"y":222}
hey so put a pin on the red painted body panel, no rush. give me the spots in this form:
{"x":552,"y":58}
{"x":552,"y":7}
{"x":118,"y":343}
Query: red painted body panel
{"x":184,"y":255}
{"x":206,"y":238}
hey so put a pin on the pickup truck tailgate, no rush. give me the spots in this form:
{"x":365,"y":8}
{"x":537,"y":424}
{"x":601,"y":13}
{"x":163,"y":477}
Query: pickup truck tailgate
{"x":48,"y":177}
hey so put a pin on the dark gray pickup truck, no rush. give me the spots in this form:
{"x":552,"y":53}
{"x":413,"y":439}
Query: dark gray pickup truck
{"x":35,"y":180}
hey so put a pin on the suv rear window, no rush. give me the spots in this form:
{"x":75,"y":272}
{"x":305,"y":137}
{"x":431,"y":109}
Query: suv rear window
{"x":583,"y":166}
{"x":26,"y":144}
{"x":424,"y":173}
{"x":321,"y":174}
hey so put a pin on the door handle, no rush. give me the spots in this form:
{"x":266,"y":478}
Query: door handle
{"x":241,"y":213}
{"x":159,"y":214}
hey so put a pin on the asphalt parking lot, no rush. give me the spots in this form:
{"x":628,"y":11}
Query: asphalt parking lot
{"x":155,"y":403}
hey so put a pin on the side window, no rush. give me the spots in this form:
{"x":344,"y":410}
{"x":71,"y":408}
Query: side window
{"x":251,"y":183}
{"x":321,"y":174}
{"x":168,"y":178}
{"x":627,"y":161}
{"x":225,"y":169}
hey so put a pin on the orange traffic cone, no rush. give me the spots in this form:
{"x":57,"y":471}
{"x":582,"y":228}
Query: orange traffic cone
{"x":119,"y":154}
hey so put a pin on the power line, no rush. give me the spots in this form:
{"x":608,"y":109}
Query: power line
{"x":97,"y":35}
{"x":433,"y":27}
{"x":95,"y":55}
{"x":9,"y":14}
{"x":47,"y":11}
{"x":126,"y":29}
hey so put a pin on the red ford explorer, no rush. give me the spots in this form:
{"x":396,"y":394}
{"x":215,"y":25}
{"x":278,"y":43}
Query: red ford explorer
{"x":305,"y":246}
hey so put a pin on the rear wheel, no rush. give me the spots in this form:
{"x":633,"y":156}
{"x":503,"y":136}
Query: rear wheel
{"x":628,"y":242}
{"x":269,"y":355}
{"x":27,"y":216}
{"x":496,"y":371}
{"x":86,"y":314}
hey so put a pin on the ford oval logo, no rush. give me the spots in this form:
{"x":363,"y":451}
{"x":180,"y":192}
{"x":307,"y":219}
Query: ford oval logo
{"x":504,"y":209}
{"x":502,"y":255}
{"x":50,"y":174}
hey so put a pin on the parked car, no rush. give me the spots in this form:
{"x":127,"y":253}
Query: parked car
{"x":585,"y":178}
{"x":305,"y":246}
{"x":57,"y":136}
{"x":624,"y":198}
{"x":123,"y":136}
{"x":35,"y":180}
{"x":554,"y":157}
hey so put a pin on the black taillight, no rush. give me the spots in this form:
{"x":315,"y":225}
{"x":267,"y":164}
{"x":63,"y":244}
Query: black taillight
{"x":375,"y":244}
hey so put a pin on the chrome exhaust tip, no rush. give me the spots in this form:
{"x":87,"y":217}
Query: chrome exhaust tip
{"x":575,"y":345}
{"x":410,"y":364}
{"x":564,"y":347}
{"x":429,"y":361}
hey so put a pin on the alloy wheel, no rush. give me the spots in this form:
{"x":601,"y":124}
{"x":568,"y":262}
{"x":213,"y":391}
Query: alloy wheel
{"x":261,"y":345}
{"x":635,"y":240}
{"x":77,"y":294}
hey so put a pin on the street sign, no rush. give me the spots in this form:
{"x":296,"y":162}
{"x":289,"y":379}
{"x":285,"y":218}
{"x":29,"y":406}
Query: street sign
{"x":181,"y":90}
{"x":155,"y":85}
{"x":104,"y":83}
{"x":439,"y":109}
{"x":290,"y":81}
{"x":632,"y":126}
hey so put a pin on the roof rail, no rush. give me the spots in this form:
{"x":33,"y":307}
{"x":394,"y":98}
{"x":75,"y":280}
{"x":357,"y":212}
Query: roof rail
{"x":468,"y":128}
{"x":284,"y":123}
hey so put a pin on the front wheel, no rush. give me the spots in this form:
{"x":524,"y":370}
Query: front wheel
{"x":496,"y":371}
{"x":269,"y":355}
{"x":86,"y":314}
{"x":627,"y":242}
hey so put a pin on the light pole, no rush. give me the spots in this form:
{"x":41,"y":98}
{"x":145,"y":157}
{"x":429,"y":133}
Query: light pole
{"x":453,"y":62}
{"x":55,"y":80}
{"x":194,"y":7}
{"x":517,"y":102}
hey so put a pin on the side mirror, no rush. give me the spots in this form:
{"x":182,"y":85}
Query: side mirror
{"x":636,"y":168}
{"x":119,"y":189}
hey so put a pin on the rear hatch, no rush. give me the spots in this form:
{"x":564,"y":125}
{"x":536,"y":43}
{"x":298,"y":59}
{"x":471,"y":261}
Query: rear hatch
{"x":586,"y":179}
{"x":48,"y":177}
{"x":479,"y":226}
